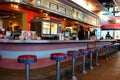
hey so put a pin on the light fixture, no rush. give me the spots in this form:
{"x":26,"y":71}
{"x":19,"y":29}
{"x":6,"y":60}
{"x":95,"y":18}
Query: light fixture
{"x":64,"y":19}
{"x":14,"y":16}
{"x":46,"y":14}
{"x":15,"y":6}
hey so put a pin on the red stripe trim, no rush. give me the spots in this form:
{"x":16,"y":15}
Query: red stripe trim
{"x":38,"y":47}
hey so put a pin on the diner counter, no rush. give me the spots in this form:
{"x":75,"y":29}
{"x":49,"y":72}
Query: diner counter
{"x":52,"y":41}
{"x":11,"y":49}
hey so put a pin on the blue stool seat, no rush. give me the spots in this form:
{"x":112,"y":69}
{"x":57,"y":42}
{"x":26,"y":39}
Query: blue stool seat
{"x":0,"y":57}
{"x":58,"y":56}
{"x":108,"y":51}
{"x":73,"y":53}
{"x":84,"y":51}
{"x":98,"y":48}
{"x":27,"y":59}
{"x":92,"y":50}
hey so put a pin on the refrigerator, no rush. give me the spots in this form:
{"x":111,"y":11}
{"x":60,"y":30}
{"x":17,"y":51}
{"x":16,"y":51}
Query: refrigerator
{"x":49,"y":28}
{"x":46,"y":29}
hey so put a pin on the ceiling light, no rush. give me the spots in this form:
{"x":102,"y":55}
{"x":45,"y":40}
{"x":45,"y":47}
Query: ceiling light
{"x":84,"y":4}
{"x":14,"y":5}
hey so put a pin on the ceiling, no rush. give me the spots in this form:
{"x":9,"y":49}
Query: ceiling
{"x":115,"y":4}
{"x":98,"y":8}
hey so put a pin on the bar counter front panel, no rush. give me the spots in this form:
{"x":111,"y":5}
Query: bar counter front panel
{"x":11,"y":49}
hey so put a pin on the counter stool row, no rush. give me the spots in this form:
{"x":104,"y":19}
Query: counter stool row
{"x":61,"y":56}
{"x":73,"y":54}
{"x":89,"y":52}
{"x":0,"y":57}
{"x":27,"y":59}
{"x":111,"y":50}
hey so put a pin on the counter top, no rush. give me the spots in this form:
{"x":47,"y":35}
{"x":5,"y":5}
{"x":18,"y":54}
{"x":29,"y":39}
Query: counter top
{"x":51,"y":41}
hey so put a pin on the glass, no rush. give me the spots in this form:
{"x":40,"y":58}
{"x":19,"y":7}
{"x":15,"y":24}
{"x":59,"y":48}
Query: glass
{"x":54,"y":28}
{"x":45,"y":27}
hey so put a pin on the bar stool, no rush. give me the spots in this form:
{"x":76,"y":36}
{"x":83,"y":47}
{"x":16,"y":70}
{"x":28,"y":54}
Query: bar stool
{"x":0,"y":57}
{"x":97,"y":51}
{"x":107,"y":51}
{"x":84,"y":52}
{"x":111,"y":51}
{"x":27,"y":59}
{"x":116,"y":47}
{"x":73,"y":54}
{"x":58,"y":57}
{"x":91,"y":47}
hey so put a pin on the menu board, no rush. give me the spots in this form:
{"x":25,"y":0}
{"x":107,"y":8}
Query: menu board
{"x":75,"y":13}
{"x":54,"y":7}
{"x":45,"y":3}
{"x":38,"y":2}
{"x":97,"y":22}
{"x":80,"y":16}
{"x":54,"y":28}
{"x":90,"y":19}
{"x":31,"y":2}
{"x":69,"y":12}
{"x":94,"y":21}
{"x":45,"y":27}
{"x":18,"y":1}
{"x":85,"y":18}
{"x":117,"y":34}
{"x":61,"y":9}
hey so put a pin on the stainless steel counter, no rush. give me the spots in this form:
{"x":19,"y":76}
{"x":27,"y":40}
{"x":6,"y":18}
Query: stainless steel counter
{"x":53,"y":41}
